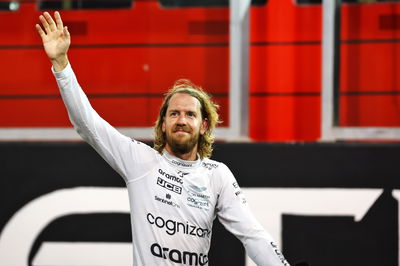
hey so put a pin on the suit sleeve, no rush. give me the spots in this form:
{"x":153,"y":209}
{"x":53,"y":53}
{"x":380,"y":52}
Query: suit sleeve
{"x":115,"y":148}
{"x":234,"y":214}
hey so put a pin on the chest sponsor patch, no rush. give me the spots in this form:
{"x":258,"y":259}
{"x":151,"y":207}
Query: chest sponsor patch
{"x":197,"y":198}
{"x":167,"y":185}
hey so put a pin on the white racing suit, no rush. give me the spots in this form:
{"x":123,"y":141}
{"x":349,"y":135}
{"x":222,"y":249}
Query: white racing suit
{"x":173,"y":202}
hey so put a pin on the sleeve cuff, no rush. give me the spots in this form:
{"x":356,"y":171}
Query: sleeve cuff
{"x":63,"y":73}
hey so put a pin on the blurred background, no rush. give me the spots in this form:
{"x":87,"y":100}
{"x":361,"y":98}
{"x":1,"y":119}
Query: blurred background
{"x":309,"y":95}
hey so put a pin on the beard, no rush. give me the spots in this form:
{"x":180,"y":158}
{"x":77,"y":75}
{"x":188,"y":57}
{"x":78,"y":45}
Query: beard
{"x":182,"y":144}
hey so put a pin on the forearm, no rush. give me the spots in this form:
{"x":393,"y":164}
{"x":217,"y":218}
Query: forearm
{"x":264,"y":252}
{"x":259,"y":244}
{"x":237,"y":218}
{"x":80,"y":112}
{"x":104,"y":138}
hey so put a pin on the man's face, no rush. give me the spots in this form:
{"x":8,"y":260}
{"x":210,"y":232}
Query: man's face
{"x":183,"y":124}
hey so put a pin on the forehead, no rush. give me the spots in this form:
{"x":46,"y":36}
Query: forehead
{"x":183,"y":101}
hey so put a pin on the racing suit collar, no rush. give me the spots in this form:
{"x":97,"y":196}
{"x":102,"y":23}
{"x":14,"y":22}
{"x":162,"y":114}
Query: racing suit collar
{"x":177,"y":162}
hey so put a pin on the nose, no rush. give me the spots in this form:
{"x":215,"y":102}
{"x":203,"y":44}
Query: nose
{"x":181,"y":120}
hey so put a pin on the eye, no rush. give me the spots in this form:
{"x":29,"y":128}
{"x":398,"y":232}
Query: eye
{"x":173,"y":113}
{"x":191,"y":114}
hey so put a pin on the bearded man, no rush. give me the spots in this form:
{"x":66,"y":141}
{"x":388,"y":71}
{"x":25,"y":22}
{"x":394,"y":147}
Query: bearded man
{"x":175,"y":190}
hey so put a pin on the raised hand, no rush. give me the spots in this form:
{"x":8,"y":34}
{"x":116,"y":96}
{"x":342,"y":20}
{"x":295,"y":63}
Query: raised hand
{"x":56,"y":39}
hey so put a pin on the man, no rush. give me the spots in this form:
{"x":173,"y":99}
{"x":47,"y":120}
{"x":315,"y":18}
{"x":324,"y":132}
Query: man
{"x":175,"y":191}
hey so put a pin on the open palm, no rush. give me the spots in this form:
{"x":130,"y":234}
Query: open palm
{"x":56,"y":38}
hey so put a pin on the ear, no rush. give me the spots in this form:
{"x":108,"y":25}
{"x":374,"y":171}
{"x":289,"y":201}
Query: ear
{"x":163,"y":125}
{"x":204,"y":126}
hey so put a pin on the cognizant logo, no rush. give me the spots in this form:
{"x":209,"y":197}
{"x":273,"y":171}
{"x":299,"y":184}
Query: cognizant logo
{"x":182,"y":163}
{"x":172,"y":227}
{"x":177,"y":256}
{"x":198,"y":202}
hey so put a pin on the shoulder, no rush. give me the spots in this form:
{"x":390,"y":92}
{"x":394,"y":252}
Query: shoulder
{"x":140,"y":144}
{"x":220,"y":172}
{"x":224,"y":181}
{"x":143,"y":148}
{"x":212,"y":165}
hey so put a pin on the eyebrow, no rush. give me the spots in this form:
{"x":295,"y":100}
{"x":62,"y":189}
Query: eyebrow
{"x":186,"y":111}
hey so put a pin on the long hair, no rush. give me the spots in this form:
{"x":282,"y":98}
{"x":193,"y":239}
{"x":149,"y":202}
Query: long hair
{"x":208,"y":111}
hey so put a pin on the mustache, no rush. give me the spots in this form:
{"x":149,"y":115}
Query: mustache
{"x":182,"y":127}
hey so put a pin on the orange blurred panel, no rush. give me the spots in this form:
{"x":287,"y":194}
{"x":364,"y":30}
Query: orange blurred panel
{"x":285,"y":118}
{"x":120,"y":112}
{"x":370,"y":110}
{"x":285,"y":21}
{"x":285,"y":68}
{"x":146,"y":22}
{"x":113,"y":73}
{"x":370,"y":21}
{"x":205,"y":66}
{"x":223,"y":111}
{"x":25,"y":72}
{"x":126,"y":112}
{"x":33,"y":113}
{"x":370,"y":67}
{"x":118,"y":70}
{"x":111,"y":70}
{"x":127,"y":65}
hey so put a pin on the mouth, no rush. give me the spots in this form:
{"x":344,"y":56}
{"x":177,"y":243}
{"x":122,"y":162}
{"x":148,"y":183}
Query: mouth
{"x":181,"y":130}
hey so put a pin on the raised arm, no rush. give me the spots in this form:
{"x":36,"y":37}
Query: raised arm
{"x":56,"y":39}
{"x":105,"y":139}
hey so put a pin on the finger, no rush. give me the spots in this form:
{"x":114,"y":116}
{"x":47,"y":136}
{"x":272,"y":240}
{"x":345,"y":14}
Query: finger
{"x":40,"y":31}
{"x":66,"y":32}
{"x":59,"y":22}
{"x":50,"y":21}
{"x":45,"y":24}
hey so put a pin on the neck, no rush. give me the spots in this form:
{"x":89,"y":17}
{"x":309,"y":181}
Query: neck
{"x":189,"y":156}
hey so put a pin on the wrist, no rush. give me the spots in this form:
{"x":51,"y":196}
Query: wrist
{"x":59,"y":63}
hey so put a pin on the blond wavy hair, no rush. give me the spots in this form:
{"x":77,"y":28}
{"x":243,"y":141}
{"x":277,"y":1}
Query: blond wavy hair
{"x":208,"y":111}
